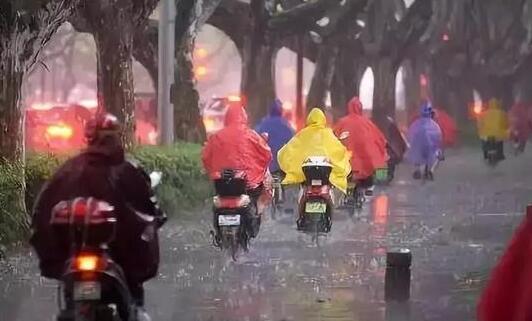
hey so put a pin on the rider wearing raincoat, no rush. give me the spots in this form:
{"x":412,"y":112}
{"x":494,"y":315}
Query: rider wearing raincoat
{"x":396,"y":147}
{"x":493,"y":124}
{"x":447,"y":125}
{"x":278,"y":129}
{"x":316,"y":139}
{"x":238,"y":147}
{"x":520,"y":118}
{"x":426,"y":141}
{"x":365,"y":141}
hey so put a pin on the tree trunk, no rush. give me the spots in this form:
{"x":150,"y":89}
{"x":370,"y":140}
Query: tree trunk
{"x":411,"y":75}
{"x":115,"y":78}
{"x":258,"y":64}
{"x":440,"y":89}
{"x":12,"y":139}
{"x":191,"y":15}
{"x":461,"y":97}
{"x":523,"y":88}
{"x":145,"y":48}
{"x":11,"y":113}
{"x":384,"y":92}
{"x":323,"y":74}
{"x":258,"y":78}
{"x":185,"y":97}
{"x":113,"y":25}
{"x":345,"y":84}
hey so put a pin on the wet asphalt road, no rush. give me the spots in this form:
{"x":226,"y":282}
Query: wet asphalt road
{"x":455,"y":227}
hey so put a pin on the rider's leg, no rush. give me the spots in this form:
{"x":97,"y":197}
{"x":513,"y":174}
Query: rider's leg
{"x":418,"y":171}
{"x":485,"y":148}
{"x":434,"y":166}
{"x":369,"y":186}
{"x":500,"y":149}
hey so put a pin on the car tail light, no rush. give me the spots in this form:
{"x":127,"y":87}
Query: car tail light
{"x":60,"y":131}
{"x":477,"y":109}
{"x":234,"y":98}
{"x":82,"y":211}
{"x":89,"y":263}
{"x":231,"y":202}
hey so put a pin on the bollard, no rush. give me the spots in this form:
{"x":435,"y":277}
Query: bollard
{"x":397,"y":277}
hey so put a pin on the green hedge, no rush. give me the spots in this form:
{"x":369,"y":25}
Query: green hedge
{"x":13,"y":220}
{"x":183,"y":186}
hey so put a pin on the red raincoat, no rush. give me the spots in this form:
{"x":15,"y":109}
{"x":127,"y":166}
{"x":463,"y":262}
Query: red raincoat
{"x":508,"y":295}
{"x":237,"y":146}
{"x":520,"y":122}
{"x":365,"y":141}
{"x":447,"y":125}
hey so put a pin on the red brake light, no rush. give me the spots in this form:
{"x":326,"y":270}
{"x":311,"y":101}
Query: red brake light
{"x":231,"y":202}
{"x":318,"y":190}
{"x":60,"y":131}
{"x":80,"y":209}
{"x":89,"y":262}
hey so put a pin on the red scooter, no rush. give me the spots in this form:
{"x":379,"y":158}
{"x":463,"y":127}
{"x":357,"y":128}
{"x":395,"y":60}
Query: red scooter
{"x":315,"y":201}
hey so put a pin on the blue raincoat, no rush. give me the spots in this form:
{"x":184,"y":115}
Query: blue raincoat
{"x":278,"y":129}
{"x":425,"y":139}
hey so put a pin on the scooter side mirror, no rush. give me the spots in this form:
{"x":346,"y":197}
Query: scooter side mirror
{"x":155,"y":178}
{"x":344,"y":135}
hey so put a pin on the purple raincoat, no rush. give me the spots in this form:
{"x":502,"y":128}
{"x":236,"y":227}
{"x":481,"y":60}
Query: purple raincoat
{"x":425,"y":139}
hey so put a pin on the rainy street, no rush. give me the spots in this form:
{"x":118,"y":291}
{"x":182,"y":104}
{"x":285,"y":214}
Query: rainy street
{"x":455,"y":228}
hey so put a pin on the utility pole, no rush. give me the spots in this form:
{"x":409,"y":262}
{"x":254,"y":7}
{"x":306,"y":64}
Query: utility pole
{"x":300,"y":109}
{"x":165,"y":109}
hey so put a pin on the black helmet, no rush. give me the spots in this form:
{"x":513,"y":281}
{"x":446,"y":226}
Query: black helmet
{"x":103,"y":124}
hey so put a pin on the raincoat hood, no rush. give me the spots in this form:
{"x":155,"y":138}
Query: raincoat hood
{"x":276,"y":108}
{"x":354,"y":107}
{"x":235,"y":116}
{"x":494,"y":104}
{"x":316,"y":118}
{"x":426,"y":110}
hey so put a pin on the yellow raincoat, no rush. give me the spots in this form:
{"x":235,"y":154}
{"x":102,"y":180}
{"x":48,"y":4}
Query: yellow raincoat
{"x":316,"y":139}
{"x":493,"y":122}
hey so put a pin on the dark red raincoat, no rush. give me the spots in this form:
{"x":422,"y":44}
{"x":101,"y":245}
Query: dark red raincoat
{"x":237,"y":147}
{"x":520,"y":122}
{"x":508,"y":295}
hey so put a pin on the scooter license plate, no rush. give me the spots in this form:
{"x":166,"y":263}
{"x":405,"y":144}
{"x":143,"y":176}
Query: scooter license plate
{"x":229,"y":220}
{"x":316,"y":182}
{"x":87,"y":290}
{"x":315,"y":208}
